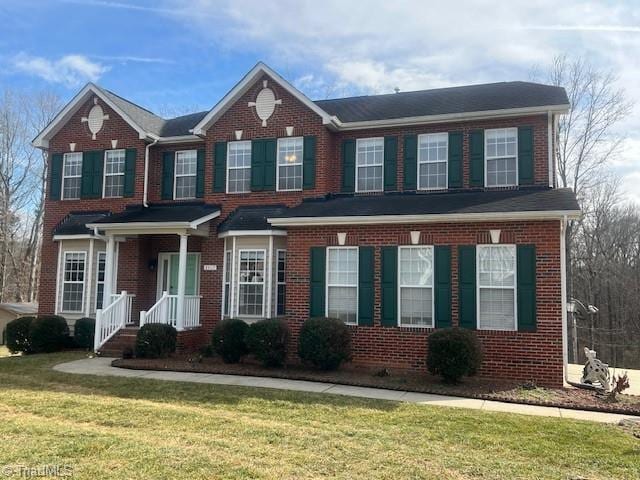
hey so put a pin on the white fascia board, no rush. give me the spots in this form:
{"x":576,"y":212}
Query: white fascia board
{"x":243,"y":85}
{"x":252,"y":233}
{"x":429,"y":218}
{"x":453,"y":117}
{"x":42,"y":140}
{"x":82,"y":236}
{"x":149,"y":227}
{"x":206,"y":218}
{"x":180,"y":139}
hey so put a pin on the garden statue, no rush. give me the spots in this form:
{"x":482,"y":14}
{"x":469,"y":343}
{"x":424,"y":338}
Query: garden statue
{"x":595,"y":372}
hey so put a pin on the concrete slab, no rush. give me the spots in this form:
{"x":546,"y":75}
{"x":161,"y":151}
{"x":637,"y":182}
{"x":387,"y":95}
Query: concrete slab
{"x":541,"y":411}
{"x":601,"y":417}
{"x":365,"y":392}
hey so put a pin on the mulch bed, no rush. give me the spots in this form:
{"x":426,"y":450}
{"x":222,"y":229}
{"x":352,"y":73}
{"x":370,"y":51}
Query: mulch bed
{"x":480,"y":388}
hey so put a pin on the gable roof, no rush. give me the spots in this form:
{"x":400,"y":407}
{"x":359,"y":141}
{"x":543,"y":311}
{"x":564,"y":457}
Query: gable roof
{"x":443,"y":101}
{"x":76,"y":223}
{"x":251,"y":217}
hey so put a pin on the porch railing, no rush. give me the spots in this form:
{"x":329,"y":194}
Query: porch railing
{"x":165,"y":311}
{"x":112,"y":318}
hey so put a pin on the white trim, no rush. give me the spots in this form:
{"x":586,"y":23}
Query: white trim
{"x":84,"y":281}
{"x":264,"y":280}
{"x":160,"y":271}
{"x":59,"y":276}
{"x":514,"y":288}
{"x":227,"y":167}
{"x":154,"y":226}
{"x":226,"y":263}
{"x":358,"y":140}
{"x":232,"y":291}
{"x":90,"y":89}
{"x":446,"y":162}
{"x":253,"y":233}
{"x":269,"y":285}
{"x":105,"y":174}
{"x":326,"y":281}
{"x":486,"y":158}
{"x":89,"y":278}
{"x":243,"y":86}
{"x":425,"y":218}
{"x":180,"y":139}
{"x":563,"y":293}
{"x":278,"y":189}
{"x":451,"y":117}
{"x":82,"y":236}
{"x":181,"y":175}
{"x":432,"y":287}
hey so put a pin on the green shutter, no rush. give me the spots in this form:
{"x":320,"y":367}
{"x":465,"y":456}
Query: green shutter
{"x":365,"y":285}
{"x":455,"y":160}
{"x":467,"y":286}
{"x":526,"y":293}
{"x":55,"y":179}
{"x":410,"y":162}
{"x":389,"y":286}
{"x":200,"y":174}
{"x":167,"y":175}
{"x":317,"y":282}
{"x":442,"y":300}
{"x":348,"y":165}
{"x":270,"y":154}
{"x":476,"y":157}
{"x":525,"y":156}
{"x":130,"y":172}
{"x":219,"y":166}
{"x":309,"y":163}
{"x":92,"y":169}
{"x":257,"y":165}
{"x":390,"y":162}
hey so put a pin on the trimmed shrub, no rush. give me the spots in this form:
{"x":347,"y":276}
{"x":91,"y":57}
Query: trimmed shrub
{"x":18,"y":338}
{"x":83,"y":332}
{"x":49,"y":333}
{"x":453,"y":353}
{"x":156,"y":340}
{"x":228,"y":339}
{"x":267,"y":340}
{"x":324,"y":342}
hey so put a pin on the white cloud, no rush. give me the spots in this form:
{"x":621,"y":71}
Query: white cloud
{"x":69,"y":70}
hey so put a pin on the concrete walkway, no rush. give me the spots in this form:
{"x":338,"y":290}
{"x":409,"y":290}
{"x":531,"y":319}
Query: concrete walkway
{"x":102,"y":366}
{"x":575,"y":374}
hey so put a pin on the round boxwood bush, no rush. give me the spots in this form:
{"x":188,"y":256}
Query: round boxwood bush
{"x":156,"y":340}
{"x":324,"y":342}
{"x":49,"y":333}
{"x":84,"y":331}
{"x":267,"y":340}
{"x":229,"y":339}
{"x":453,"y":353}
{"x":18,"y":338}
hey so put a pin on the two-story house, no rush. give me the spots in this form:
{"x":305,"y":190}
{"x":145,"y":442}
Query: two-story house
{"x":398,"y":214}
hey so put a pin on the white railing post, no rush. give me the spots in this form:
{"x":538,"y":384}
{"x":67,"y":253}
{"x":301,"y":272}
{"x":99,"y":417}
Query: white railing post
{"x":97,"y":332}
{"x":142,"y":317}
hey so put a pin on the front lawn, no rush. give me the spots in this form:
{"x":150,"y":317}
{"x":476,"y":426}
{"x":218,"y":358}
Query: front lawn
{"x":119,"y":428}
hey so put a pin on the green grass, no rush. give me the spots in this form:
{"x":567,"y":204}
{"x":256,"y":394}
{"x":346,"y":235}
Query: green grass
{"x":121,"y":428}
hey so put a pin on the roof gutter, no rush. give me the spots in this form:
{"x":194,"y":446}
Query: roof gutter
{"x":423,"y":218}
{"x":156,"y":139}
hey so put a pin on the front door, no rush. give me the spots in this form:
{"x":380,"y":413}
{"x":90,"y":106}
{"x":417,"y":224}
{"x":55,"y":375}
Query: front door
{"x":168,"y":274}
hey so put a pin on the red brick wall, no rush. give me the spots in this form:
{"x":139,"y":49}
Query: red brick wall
{"x":519,"y":355}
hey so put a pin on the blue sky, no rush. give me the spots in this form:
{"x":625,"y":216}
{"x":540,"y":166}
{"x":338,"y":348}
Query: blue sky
{"x":178,"y":56}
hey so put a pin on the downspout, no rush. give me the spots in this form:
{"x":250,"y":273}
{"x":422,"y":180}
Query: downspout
{"x":563,"y":294}
{"x":146,"y":169}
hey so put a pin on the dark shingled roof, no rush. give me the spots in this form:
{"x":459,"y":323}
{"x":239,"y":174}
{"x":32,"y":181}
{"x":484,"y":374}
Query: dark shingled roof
{"x":251,"y":218}
{"x":472,"y":98}
{"x":184,"y":212}
{"x":75,"y":223}
{"x":498,"y":201}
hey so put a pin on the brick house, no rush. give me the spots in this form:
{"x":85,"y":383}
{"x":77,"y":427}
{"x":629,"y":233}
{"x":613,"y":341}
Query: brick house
{"x":398,"y":214}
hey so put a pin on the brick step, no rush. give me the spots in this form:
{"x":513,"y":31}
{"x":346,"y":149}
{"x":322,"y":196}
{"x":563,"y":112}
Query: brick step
{"x":121,"y":341}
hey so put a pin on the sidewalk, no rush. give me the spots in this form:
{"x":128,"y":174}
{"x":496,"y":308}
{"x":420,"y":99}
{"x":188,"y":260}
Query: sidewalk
{"x":102,"y":366}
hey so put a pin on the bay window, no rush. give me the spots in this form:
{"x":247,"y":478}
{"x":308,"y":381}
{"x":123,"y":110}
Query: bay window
{"x":73,"y":281}
{"x":369,"y":164}
{"x":227,"y":283}
{"x":289,"y":164}
{"x":501,"y":157}
{"x":239,"y":167}
{"x":281,"y":291}
{"x":496,"y":287}
{"x":342,"y":283}
{"x":416,"y":286}
{"x":102,"y":261}
{"x":432,"y":161}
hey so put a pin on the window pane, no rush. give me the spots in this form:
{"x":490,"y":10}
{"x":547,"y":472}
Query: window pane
{"x":239,"y":154}
{"x":415,"y":306}
{"x":102,"y":257}
{"x":496,"y":266}
{"x":185,"y":187}
{"x":369,"y":179}
{"x":497,"y":309}
{"x":342,"y":284}
{"x":186,"y":162}
{"x":342,"y":303}
{"x":239,"y":180}
{"x":73,"y":282}
{"x":343,"y":266}
{"x":290,"y":177}
{"x":369,"y":161}
{"x":433,"y":175}
{"x":72,"y":175}
{"x":250,"y":299}
{"x":290,"y":151}
{"x":416,"y":266}
{"x":433,"y":147}
{"x":501,"y":147}
{"x":251,"y":282}
{"x":280,"y":281}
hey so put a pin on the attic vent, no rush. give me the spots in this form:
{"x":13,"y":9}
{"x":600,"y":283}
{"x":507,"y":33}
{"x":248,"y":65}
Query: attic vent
{"x":95,"y":120}
{"x":265,"y":103}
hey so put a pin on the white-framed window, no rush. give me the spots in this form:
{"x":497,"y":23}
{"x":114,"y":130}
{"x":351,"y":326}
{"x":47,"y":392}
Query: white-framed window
{"x":369,"y":164}
{"x":433,"y":153}
{"x":415,"y":285}
{"x":496,"y":270}
{"x":71,"y":175}
{"x":186,"y":171}
{"x":114,"y":161}
{"x":251,"y":280}
{"x":100,"y":272}
{"x":342,"y":284}
{"x":289,"y":170}
{"x":227,"y":283}
{"x":281,"y":287}
{"x":239,"y":167}
{"x":501,"y":157}
{"x":73,"y":281}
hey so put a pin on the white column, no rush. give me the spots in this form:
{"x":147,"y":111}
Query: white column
{"x":233,"y":307}
{"x":88,"y":281}
{"x":269,"y":282}
{"x":182,"y":281}
{"x":108,"y":271}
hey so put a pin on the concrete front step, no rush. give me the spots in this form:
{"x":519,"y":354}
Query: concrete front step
{"x":125,"y":339}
